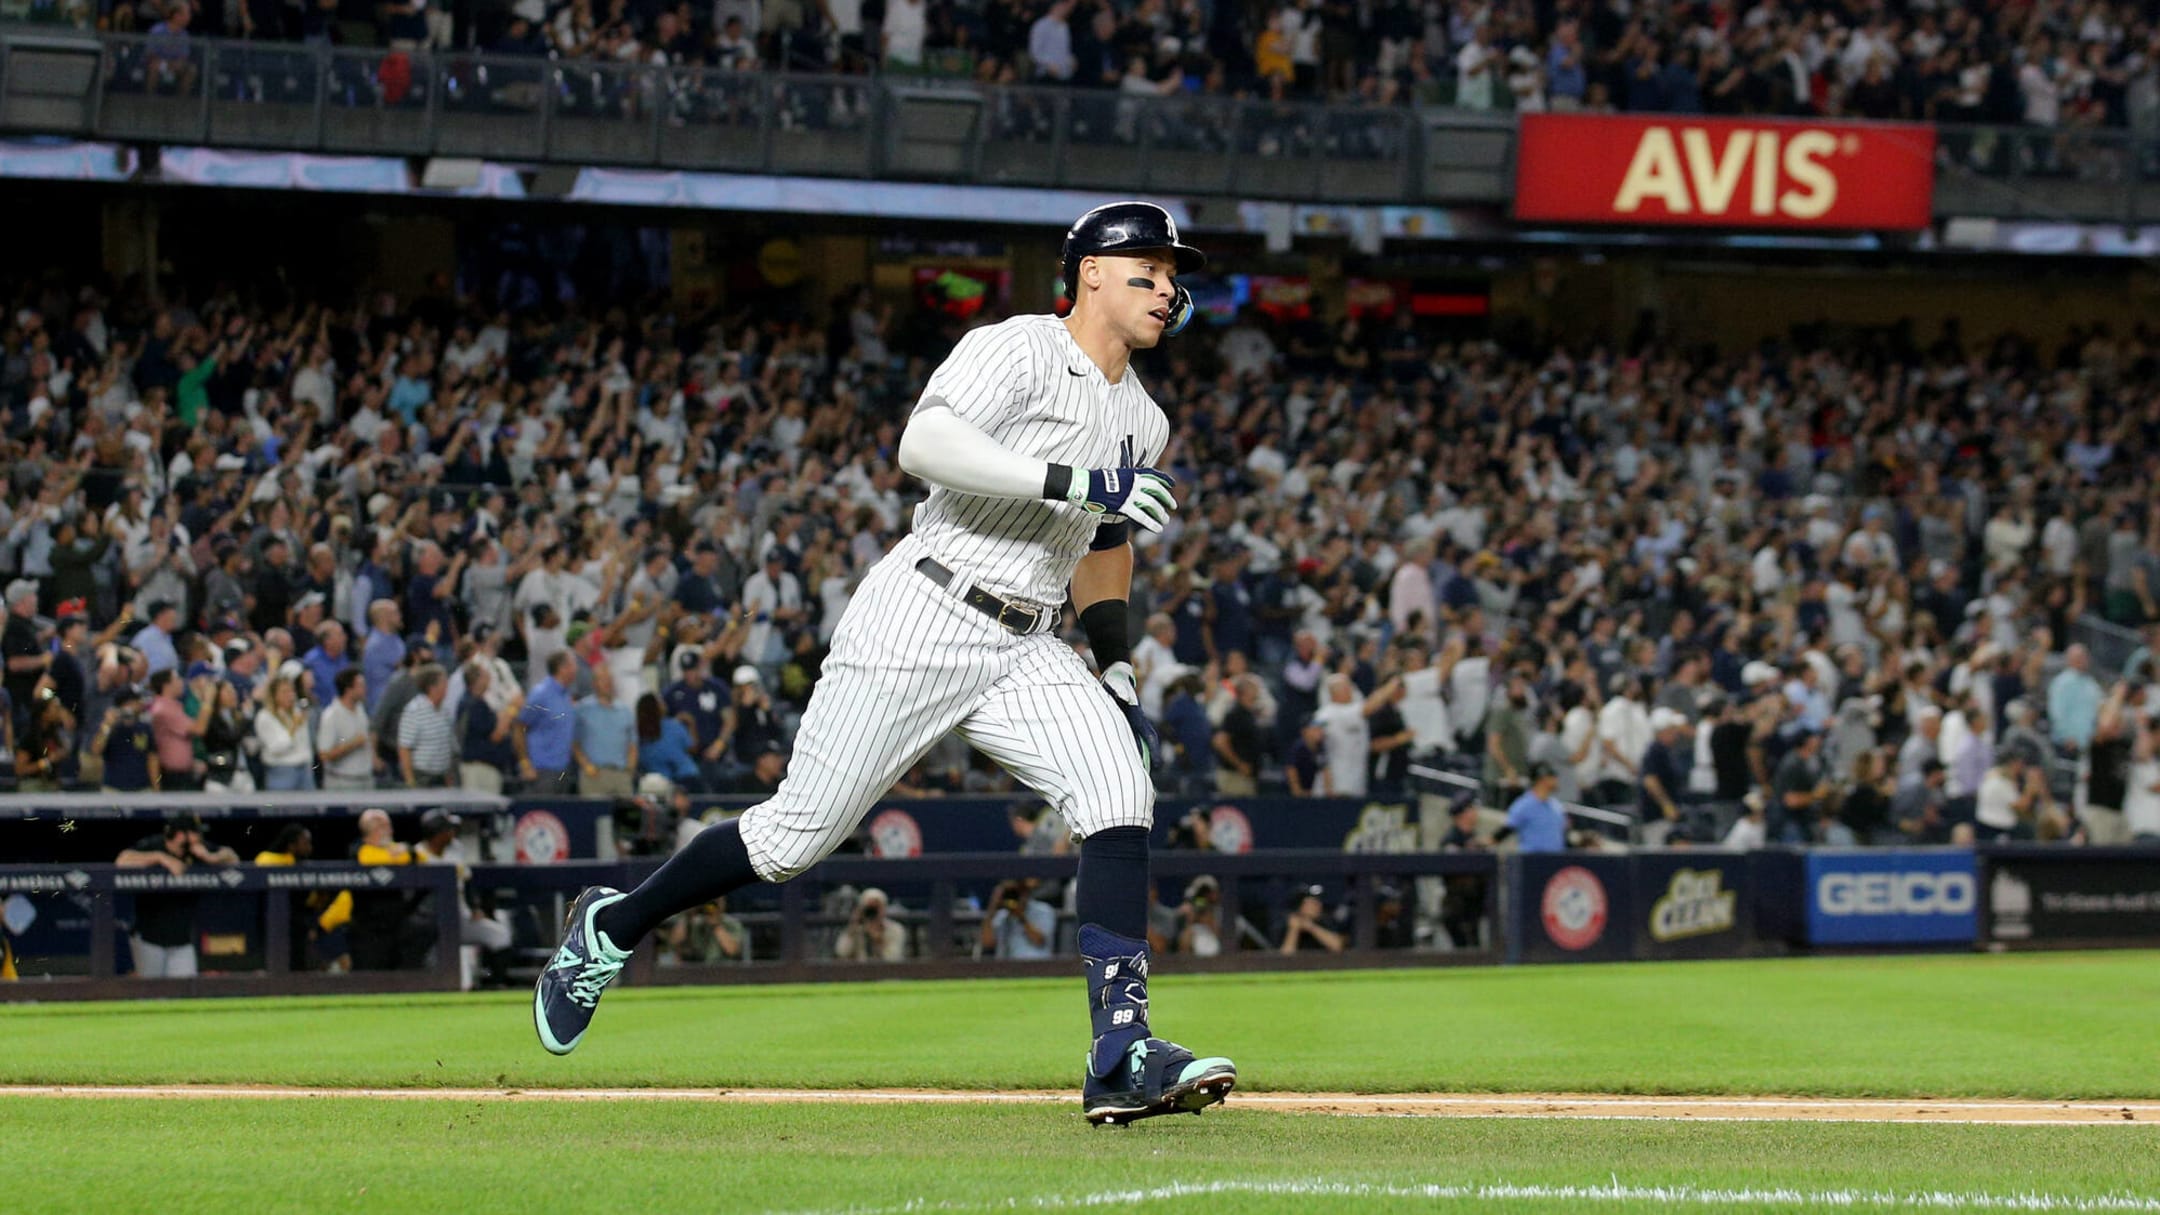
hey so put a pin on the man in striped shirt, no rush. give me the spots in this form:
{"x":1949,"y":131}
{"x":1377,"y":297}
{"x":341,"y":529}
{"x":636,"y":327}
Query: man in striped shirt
{"x":425,"y":752}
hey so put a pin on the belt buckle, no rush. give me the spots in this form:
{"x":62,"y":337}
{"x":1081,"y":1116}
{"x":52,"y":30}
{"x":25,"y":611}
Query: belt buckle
{"x":1030,"y":615}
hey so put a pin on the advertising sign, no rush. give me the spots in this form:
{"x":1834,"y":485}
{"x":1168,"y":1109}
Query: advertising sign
{"x":1724,"y":172}
{"x":1569,"y":907}
{"x":1694,"y":904}
{"x":1892,"y":896}
{"x":2073,"y":896}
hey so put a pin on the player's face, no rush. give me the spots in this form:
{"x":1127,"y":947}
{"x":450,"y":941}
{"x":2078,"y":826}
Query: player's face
{"x":1135,"y":292}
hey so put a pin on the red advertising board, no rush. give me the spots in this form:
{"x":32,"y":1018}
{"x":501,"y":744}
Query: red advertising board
{"x":1723,"y":172}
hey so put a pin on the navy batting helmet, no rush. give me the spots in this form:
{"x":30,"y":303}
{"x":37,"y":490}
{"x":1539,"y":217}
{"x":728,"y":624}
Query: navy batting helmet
{"x":1125,"y":227}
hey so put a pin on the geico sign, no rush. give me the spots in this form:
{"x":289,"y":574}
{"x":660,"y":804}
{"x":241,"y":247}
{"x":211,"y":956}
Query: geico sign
{"x":1896,"y":893}
{"x":1785,"y":175}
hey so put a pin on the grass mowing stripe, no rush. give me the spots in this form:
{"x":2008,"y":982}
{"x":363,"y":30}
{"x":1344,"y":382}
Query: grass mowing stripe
{"x":1671,"y":1196}
{"x":1946,"y":1026}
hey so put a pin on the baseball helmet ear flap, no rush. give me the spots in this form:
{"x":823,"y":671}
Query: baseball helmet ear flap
{"x":1181,"y":310}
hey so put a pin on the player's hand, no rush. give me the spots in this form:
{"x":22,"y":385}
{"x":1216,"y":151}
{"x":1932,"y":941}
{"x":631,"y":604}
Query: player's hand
{"x":1141,"y":495}
{"x":1118,"y":682}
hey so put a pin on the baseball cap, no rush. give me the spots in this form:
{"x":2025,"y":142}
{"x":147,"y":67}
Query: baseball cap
{"x":871,"y":895}
{"x":311,"y":599}
{"x":437,"y":821}
{"x":746,"y":674}
{"x":71,"y":607}
{"x":1666,"y":719}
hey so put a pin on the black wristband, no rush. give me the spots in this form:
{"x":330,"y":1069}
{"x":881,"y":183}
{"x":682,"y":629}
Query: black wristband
{"x":1057,"y":482}
{"x":1105,"y":622}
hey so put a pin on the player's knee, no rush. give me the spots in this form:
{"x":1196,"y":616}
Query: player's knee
{"x":1129,"y":801}
{"x":777,"y":852}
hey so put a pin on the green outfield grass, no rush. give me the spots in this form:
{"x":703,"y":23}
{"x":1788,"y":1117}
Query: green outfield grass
{"x":674,"y":1158}
{"x":2033,"y":1025}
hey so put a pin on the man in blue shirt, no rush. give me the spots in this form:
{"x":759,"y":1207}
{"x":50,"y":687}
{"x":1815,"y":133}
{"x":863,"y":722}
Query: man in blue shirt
{"x":1539,"y":823}
{"x":2073,"y":701}
{"x":605,"y":741}
{"x":546,"y":730}
{"x":154,"y":641}
{"x":384,"y":650}
{"x":326,"y":660}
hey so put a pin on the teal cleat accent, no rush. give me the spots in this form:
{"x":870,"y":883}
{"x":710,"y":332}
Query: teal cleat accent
{"x":568,"y":992}
{"x":1157,"y":1078}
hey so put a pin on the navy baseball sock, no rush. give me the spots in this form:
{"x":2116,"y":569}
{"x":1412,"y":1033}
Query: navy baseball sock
{"x":712,"y":864}
{"x":1113,"y":903}
{"x":1114,"y":881}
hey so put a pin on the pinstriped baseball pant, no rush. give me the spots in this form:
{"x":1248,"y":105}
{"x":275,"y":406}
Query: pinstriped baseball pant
{"x":910,"y":663}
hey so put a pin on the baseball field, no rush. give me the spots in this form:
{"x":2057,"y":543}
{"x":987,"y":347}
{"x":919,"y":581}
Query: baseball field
{"x":2027,"y":1083}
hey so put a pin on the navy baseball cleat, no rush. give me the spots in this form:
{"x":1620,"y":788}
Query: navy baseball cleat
{"x":568,"y":991}
{"x":1155,"y":1077}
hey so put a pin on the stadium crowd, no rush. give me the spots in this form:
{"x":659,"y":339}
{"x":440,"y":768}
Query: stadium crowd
{"x":1796,"y":594}
{"x":2050,"y":64}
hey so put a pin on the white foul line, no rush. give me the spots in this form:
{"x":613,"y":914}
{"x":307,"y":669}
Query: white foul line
{"x":1669,"y":1196}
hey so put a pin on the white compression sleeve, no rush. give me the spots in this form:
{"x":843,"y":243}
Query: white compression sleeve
{"x":945,"y":449}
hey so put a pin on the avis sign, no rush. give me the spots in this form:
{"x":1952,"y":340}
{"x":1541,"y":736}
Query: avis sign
{"x":1724,"y":172}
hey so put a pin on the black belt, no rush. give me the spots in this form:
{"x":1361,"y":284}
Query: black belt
{"x":1018,"y":618}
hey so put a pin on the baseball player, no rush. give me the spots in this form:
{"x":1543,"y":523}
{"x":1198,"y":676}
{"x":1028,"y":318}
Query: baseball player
{"x":1037,"y":441}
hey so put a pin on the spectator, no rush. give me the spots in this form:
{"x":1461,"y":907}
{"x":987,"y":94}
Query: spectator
{"x":162,"y":940}
{"x":2141,"y":803}
{"x":1306,"y":768}
{"x":663,"y":745}
{"x":1238,"y":744}
{"x":2074,"y":701}
{"x":1304,"y":927}
{"x":871,"y":935}
{"x":1624,"y":734}
{"x":383,"y":653}
{"x":426,"y":743}
{"x":1019,"y":924}
{"x":28,"y":659}
{"x":1537,"y":820}
{"x":154,"y":641}
{"x":1664,"y":779}
{"x":281,"y":730}
{"x":546,"y":730}
{"x":485,"y":755}
{"x":2108,"y":783}
{"x":1342,"y":719}
{"x":604,"y":741}
{"x":326,"y":658}
{"x":126,"y":746}
{"x":2013,"y":800}
{"x":175,"y":728}
{"x":343,"y":738}
{"x":1918,"y":809}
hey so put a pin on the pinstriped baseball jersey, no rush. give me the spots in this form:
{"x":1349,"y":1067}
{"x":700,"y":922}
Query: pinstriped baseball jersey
{"x":1028,"y":385}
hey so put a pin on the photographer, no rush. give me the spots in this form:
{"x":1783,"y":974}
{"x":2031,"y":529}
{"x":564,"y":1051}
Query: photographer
{"x":1019,"y":924}
{"x":1200,"y":919}
{"x":45,"y":752}
{"x":871,"y":935}
{"x":1303,"y":928}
